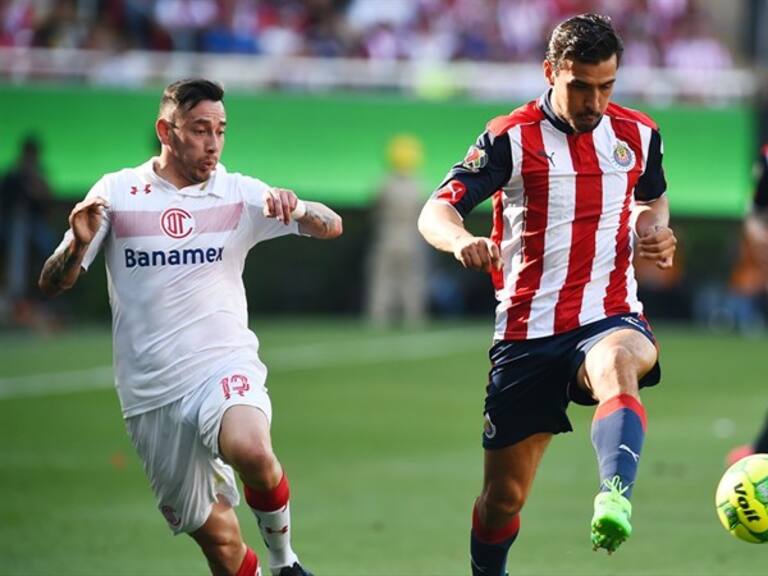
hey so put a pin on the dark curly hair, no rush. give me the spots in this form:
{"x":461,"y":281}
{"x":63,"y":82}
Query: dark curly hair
{"x":186,"y":94}
{"x":588,"y":38}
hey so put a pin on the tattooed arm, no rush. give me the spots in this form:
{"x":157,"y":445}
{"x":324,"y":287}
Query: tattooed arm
{"x":314,"y":219}
{"x":62,"y":269}
{"x":319,"y":221}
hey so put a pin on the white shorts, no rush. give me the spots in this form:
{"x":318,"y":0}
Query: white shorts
{"x":179,"y":445}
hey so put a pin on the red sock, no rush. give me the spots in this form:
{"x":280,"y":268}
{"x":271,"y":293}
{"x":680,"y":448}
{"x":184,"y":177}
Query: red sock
{"x":490,"y":536}
{"x":250,"y":564}
{"x":273,"y":511}
{"x":269,"y":500}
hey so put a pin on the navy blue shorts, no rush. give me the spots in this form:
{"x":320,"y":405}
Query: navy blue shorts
{"x":531,"y":382}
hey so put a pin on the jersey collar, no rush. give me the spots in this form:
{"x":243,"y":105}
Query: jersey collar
{"x":545,"y":105}
{"x":196,"y":190}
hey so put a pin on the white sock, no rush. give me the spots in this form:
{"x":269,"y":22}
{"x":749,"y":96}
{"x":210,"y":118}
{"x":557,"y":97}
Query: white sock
{"x":275,"y":529}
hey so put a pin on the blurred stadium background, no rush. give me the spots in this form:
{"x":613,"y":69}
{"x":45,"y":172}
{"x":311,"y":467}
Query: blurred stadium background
{"x":379,"y":426}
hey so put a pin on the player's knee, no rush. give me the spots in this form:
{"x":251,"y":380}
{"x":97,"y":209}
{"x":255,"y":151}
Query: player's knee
{"x":613,"y":364}
{"x":255,"y":462}
{"x":616,"y":358}
{"x":504,"y":499}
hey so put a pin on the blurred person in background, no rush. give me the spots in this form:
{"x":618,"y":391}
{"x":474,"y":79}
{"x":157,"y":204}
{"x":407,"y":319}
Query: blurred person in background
{"x":755,"y":257}
{"x":25,"y":200}
{"x":756,"y":224}
{"x":397,"y":268}
{"x":573,"y":179}
{"x":432,"y":31}
{"x":176,"y":231}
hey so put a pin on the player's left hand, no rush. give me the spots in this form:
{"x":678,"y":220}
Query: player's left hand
{"x":279,"y":203}
{"x":658,"y":243}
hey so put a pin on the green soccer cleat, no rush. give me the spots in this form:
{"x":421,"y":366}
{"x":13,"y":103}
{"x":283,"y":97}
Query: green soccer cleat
{"x":610,"y":523}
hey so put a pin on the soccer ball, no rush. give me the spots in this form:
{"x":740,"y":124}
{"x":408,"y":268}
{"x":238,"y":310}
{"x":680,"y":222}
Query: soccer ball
{"x":742,"y":499}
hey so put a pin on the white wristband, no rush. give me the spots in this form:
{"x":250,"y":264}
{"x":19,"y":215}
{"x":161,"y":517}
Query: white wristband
{"x":299,"y":211}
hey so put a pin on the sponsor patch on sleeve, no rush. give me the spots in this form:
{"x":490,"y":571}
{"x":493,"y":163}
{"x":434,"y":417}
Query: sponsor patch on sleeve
{"x":475,"y":159}
{"x":452,"y":192}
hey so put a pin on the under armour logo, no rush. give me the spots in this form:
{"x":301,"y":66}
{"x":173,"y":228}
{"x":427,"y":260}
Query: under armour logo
{"x":135,"y":189}
{"x":626,"y":448}
{"x":550,"y":157}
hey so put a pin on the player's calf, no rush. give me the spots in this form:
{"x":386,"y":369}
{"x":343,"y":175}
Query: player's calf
{"x":222,"y":544}
{"x":489,"y":546}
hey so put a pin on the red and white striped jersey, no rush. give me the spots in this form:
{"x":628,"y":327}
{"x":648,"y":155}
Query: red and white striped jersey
{"x":561,"y":213}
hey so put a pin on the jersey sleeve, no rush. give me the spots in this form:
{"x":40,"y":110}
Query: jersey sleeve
{"x":486,"y":168}
{"x":262,"y":228}
{"x":760,"y":199}
{"x":652,"y":184}
{"x":98,"y":189}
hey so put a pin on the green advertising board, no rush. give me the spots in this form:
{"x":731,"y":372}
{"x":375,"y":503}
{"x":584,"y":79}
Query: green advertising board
{"x":332,"y":146}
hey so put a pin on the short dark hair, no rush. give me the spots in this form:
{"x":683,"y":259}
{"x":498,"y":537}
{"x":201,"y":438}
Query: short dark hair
{"x":588,"y":38}
{"x":188,"y":93}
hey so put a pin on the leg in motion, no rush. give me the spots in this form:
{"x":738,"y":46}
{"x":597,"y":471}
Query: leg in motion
{"x":223,"y":546}
{"x":611,"y":372}
{"x":508,"y":476}
{"x":245,"y":443}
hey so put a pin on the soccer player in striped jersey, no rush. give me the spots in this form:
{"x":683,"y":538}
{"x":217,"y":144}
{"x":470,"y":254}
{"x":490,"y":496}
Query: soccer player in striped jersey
{"x":176,"y":231}
{"x":577,"y":189}
{"x":756,"y":246}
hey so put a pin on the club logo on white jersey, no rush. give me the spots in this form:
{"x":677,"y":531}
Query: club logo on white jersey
{"x":623,"y":157}
{"x":170,"y":515}
{"x":177,"y":223}
{"x":631,"y":452}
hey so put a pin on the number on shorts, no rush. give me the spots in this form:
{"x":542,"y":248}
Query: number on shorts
{"x":235,"y":384}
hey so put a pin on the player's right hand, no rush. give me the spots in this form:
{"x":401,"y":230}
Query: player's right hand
{"x":85,"y":218}
{"x":478,"y":253}
{"x":279,"y":203}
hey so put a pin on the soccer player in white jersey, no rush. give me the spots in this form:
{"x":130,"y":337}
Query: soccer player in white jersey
{"x":575,"y":180}
{"x":175,"y":232}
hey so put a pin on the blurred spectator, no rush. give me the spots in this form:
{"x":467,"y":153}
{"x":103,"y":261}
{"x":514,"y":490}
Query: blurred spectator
{"x":694,"y":46}
{"x":17,"y":22}
{"x":752,"y":278}
{"x":657,"y":32}
{"x":663,"y":291}
{"x":25,"y":198}
{"x":749,"y":280}
{"x":62,"y":27}
{"x":185,"y":20}
{"x":746,"y":289}
{"x":397,"y":270}
{"x":524,"y":25}
{"x":741,"y":306}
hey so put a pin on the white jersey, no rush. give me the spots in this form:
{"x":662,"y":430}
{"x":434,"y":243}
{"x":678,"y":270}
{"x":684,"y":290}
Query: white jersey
{"x":174,"y":262}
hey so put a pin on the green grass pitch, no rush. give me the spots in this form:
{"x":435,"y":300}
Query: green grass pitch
{"x":380,"y":434}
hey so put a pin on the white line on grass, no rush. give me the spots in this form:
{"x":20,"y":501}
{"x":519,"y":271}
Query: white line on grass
{"x":363,"y":350}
